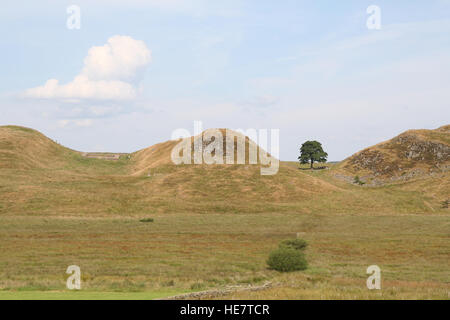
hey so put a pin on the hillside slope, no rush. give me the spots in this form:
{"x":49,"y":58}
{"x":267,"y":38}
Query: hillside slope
{"x":24,"y":148}
{"x":232,"y":142}
{"x":412,"y":154}
{"x":222,"y":183}
{"x":38,"y":176}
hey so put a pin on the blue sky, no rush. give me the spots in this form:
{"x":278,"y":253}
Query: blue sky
{"x":309,"y":68}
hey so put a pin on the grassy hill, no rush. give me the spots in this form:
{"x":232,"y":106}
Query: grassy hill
{"x":23,"y":148}
{"x":38,"y":176}
{"x":161,"y":154}
{"x":412,"y":154}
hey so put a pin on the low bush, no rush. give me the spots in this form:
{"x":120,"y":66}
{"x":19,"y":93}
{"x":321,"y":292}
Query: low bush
{"x":297,"y":244}
{"x":287,"y":259}
{"x":197,"y":286}
{"x":357,"y":180}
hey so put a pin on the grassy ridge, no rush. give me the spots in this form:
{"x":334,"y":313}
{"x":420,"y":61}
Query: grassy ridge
{"x":102,"y":190}
{"x":38,"y":176}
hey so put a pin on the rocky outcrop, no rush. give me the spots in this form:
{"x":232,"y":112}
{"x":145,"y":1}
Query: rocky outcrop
{"x":416,"y":149}
{"x":410,"y":155}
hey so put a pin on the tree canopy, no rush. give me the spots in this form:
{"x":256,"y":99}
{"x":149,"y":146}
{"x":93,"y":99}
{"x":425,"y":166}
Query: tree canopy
{"x":312,"y":151}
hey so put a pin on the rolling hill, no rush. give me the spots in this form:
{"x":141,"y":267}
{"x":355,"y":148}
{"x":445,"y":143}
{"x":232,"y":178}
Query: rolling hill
{"x":162,"y":154}
{"x":24,"y":148}
{"x":39,"y":176}
{"x":411,"y":155}
{"x":224,"y":184}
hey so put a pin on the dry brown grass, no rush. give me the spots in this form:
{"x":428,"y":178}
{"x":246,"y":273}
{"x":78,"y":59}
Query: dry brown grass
{"x":184,"y":251}
{"x":23,"y":148}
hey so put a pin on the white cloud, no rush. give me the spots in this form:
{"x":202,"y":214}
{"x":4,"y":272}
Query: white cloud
{"x":83,"y":88}
{"x":108,"y":73}
{"x":119,"y":59}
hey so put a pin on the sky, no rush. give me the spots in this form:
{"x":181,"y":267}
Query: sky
{"x":135,"y":71}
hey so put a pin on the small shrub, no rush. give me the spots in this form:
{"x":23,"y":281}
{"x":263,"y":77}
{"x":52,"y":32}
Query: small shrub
{"x":445,"y":204}
{"x":147,"y":220}
{"x":197,"y":286}
{"x":297,"y":244}
{"x":357,"y":180}
{"x":287,"y":260}
{"x":169,"y":283}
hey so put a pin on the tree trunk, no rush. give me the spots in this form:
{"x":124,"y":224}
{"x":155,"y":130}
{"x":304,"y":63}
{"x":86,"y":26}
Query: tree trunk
{"x":312,"y":164}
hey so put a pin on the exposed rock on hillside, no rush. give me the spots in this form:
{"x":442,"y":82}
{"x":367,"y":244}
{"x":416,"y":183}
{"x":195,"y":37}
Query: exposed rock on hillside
{"x":412,"y":154}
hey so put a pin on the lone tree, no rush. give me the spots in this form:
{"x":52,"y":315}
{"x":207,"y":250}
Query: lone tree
{"x":312,"y":151}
